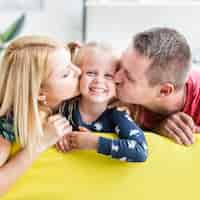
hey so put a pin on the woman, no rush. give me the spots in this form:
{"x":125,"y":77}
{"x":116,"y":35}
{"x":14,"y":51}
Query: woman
{"x":36,"y":76}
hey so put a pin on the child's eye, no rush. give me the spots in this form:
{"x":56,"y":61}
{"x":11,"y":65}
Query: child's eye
{"x":91,"y":74}
{"x":108,"y":76}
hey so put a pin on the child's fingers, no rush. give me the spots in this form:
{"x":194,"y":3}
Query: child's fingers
{"x":81,"y":128}
{"x":57,"y":147}
{"x":60,"y":146}
{"x":73,"y":141}
{"x":74,"y":145}
{"x":66,"y":144}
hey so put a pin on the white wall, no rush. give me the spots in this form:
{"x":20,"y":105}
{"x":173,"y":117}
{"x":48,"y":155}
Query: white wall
{"x":118,"y":24}
{"x":61,"y":18}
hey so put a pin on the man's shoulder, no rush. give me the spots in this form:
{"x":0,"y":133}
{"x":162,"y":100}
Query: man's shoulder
{"x":193,"y":83}
{"x":194,"y":76}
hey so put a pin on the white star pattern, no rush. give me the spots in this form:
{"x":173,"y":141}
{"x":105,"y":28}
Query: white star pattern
{"x":123,"y":159}
{"x":115,"y":147}
{"x":129,"y":118}
{"x":145,"y":146}
{"x":131,"y":144}
{"x":134,"y":132}
{"x":117,"y":130}
{"x":98,"y":126}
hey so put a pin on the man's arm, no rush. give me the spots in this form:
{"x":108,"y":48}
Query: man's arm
{"x":179,"y":127}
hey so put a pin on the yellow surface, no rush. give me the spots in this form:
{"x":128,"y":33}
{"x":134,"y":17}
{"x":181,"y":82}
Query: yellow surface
{"x":172,"y":172}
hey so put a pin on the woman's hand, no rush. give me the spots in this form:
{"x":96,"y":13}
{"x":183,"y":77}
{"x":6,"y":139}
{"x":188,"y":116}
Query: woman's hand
{"x":54,"y":129}
{"x":63,"y":144}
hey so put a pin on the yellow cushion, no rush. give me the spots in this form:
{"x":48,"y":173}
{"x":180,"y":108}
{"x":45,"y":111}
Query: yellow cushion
{"x":172,"y":172}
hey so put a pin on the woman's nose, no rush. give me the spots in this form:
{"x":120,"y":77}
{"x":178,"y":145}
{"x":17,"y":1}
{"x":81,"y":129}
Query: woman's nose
{"x":76,"y":69}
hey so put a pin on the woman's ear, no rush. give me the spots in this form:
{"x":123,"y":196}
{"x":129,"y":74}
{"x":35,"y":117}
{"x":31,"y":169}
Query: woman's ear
{"x":42,"y":98}
{"x":166,"y":89}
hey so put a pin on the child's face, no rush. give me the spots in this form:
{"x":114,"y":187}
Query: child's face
{"x":96,"y":83}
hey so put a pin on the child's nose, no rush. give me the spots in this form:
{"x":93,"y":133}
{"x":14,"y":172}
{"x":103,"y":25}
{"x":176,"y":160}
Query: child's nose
{"x":99,"y":79}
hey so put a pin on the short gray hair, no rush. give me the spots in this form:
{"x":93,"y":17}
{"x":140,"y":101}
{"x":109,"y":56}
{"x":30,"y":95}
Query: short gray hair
{"x":170,"y":54}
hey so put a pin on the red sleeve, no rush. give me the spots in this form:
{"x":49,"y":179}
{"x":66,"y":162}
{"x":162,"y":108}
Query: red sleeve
{"x":145,"y":118}
{"x":192,"y":103}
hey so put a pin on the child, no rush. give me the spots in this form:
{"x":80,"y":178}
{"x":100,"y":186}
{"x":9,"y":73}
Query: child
{"x":99,"y":64}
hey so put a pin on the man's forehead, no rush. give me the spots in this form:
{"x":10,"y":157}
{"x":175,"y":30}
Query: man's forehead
{"x":131,"y":58}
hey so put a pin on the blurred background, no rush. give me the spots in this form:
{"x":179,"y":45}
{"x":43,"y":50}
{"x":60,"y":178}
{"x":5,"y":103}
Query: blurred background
{"x":115,"y":21}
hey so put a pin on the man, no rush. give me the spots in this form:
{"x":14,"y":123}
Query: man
{"x":156,"y":79}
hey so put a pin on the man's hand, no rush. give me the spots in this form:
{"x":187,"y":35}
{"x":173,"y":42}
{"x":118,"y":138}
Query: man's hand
{"x":197,"y":129}
{"x":180,"y":127}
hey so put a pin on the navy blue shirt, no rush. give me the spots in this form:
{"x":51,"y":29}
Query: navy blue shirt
{"x":131,"y":145}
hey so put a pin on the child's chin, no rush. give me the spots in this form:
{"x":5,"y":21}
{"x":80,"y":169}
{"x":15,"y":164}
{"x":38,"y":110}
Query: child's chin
{"x":99,"y":100}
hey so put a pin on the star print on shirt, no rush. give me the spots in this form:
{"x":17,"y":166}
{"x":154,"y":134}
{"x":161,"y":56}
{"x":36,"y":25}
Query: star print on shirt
{"x":98,"y":126}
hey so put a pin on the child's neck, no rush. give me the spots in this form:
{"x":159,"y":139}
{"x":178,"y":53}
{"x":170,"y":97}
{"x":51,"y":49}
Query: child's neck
{"x":91,"y":111}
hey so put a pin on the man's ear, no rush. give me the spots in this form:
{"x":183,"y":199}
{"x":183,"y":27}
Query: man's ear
{"x":166,"y":89}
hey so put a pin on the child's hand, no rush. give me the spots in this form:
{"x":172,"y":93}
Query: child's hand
{"x":180,"y":127}
{"x":83,"y":139}
{"x":63,"y":144}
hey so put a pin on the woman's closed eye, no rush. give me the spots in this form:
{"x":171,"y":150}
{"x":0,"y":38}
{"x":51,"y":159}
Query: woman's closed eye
{"x":66,"y":73}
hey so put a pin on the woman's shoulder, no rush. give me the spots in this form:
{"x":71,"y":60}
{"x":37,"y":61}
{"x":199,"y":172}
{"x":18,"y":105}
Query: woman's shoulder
{"x":7,"y":127}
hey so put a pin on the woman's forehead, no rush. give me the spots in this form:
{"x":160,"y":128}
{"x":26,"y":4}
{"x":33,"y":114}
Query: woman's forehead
{"x":58,"y":60}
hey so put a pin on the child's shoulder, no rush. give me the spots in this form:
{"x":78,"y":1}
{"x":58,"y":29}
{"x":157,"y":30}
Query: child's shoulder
{"x":68,"y":105}
{"x":118,"y":111}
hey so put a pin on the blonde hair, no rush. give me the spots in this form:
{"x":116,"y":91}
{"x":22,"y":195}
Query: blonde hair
{"x":23,"y":72}
{"x":80,"y":52}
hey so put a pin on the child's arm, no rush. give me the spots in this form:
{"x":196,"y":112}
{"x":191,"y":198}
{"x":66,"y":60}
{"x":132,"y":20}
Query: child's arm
{"x":131,"y":146}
